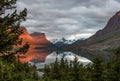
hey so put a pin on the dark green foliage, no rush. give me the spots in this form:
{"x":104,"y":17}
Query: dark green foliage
{"x":10,"y":44}
{"x":64,"y":71}
{"x":16,"y":71}
{"x":97,"y":69}
{"x":10,"y":28}
{"x":113,"y":67}
{"x":76,"y":69}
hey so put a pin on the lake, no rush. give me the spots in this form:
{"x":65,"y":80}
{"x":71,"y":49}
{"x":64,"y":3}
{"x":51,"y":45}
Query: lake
{"x":69,"y":56}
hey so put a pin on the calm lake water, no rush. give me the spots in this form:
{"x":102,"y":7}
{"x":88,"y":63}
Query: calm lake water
{"x":69,"y":56}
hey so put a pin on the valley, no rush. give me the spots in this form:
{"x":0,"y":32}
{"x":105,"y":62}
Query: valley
{"x":94,"y":46}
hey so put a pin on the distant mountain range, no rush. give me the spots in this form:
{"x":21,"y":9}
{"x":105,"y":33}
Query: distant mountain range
{"x":65,"y":42}
{"x":62,"y":42}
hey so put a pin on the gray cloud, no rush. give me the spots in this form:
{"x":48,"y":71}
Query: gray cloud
{"x":68,"y":18}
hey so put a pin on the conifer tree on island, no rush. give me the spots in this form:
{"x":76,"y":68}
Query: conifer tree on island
{"x":10,"y":43}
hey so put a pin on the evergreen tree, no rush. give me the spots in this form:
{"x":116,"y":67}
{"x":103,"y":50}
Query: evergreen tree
{"x":10,"y":29}
{"x":55,"y":70}
{"x":10,"y":44}
{"x":47,"y":72}
{"x":77,"y":70}
{"x":97,"y":69}
{"x":113,"y":67}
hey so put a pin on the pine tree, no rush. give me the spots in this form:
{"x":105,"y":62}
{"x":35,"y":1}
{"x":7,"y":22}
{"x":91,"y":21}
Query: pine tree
{"x":55,"y":70}
{"x":10,"y":43}
{"x":97,"y":69}
{"x":113,"y":67}
{"x":77,"y":70}
{"x":46,"y":71}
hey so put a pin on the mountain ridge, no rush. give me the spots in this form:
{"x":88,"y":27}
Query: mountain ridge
{"x":104,"y":39}
{"x":107,"y":36}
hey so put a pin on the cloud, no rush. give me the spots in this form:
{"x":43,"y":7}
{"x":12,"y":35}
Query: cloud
{"x":68,"y":18}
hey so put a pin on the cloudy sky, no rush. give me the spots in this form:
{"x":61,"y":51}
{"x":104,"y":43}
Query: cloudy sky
{"x":68,"y":18}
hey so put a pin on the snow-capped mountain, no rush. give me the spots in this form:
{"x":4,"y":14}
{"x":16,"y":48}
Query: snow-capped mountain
{"x":62,"y":42}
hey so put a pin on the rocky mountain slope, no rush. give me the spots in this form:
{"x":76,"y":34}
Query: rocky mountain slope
{"x":108,"y":37}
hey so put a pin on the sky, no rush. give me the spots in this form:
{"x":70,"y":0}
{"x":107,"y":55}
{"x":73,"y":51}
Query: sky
{"x":72,"y":19}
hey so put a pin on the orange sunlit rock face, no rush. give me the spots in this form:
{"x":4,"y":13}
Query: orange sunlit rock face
{"x":34,"y":40}
{"x":26,"y":37}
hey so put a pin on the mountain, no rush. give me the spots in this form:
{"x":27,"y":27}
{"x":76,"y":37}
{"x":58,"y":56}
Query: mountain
{"x":38,"y":45}
{"x":78,"y":41}
{"x":41,"y":39}
{"x":108,"y":37}
{"x":37,"y":34}
{"x":62,"y":42}
{"x":35,"y":38}
{"x":26,"y":37}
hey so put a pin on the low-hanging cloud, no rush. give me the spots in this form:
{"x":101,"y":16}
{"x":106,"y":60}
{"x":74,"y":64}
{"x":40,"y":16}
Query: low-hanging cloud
{"x":67,"y":18}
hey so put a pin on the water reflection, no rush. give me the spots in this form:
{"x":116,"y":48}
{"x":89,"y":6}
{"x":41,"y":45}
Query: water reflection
{"x":69,"y":56}
{"x":34,"y":55}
